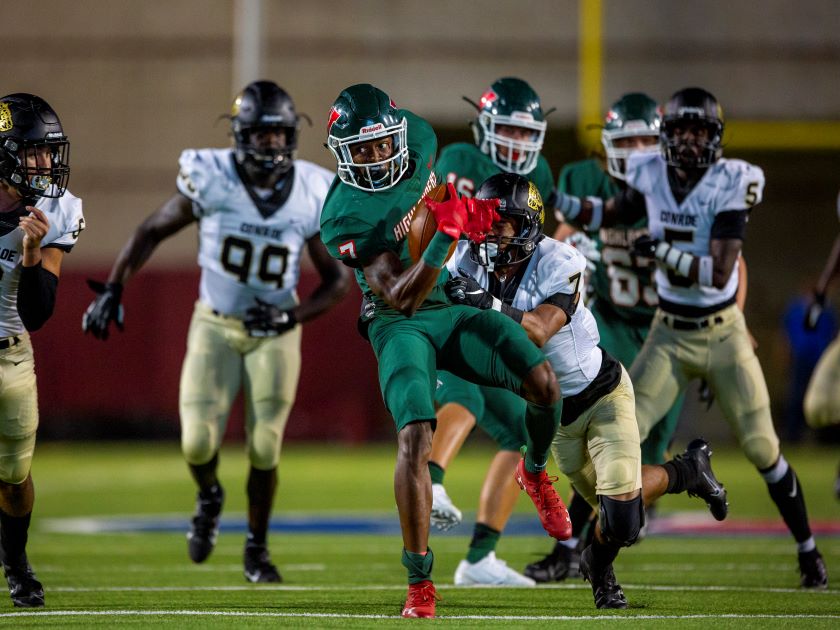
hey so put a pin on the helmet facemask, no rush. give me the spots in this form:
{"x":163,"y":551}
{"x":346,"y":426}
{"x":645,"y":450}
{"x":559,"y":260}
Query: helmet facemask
{"x":509,"y":154}
{"x":497,"y":251}
{"x":617,"y":155}
{"x":372,"y":176}
{"x":676,"y":152}
{"x":263,"y":159}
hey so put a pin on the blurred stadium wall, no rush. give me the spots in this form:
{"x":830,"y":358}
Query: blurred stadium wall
{"x":135,"y":82}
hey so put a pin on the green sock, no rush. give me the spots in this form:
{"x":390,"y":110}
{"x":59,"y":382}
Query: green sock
{"x":484,"y":541}
{"x":541,"y":423}
{"x":436,"y":472}
{"x":419,"y":566}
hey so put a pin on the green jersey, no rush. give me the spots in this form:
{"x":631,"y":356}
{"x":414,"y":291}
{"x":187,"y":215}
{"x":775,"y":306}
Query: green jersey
{"x":621,"y":286}
{"x":465,"y":166}
{"x":358,"y":225}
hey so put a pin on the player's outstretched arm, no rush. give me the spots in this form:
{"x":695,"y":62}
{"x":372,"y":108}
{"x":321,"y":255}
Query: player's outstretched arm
{"x":708,"y":271}
{"x":592,"y":213}
{"x":829,"y":272}
{"x":175,"y":214}
{"x":335,"y":282}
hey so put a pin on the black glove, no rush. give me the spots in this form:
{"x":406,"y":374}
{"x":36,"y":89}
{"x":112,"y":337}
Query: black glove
{"x":645,"y":246}
{"x":104,"y":309}
{"x":267,"y":320}
{"x":464,"y":289}
{"x":815,"y":309}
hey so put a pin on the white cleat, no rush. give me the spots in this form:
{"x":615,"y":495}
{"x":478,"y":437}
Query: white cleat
{"x":489,"y":571}
{"x":444,"y":513}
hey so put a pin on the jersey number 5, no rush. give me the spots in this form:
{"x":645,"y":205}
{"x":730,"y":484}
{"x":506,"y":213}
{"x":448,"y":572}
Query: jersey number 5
{"x":237,"y":254}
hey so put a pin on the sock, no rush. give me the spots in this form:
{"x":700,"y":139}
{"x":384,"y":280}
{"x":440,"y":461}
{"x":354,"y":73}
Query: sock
{"x":419,"y":565}
{"x":541,"y":423}
{"x":786,"y":493}
{"x":205,"y":474}
{"x":603,"y":555}
{"x":261,"y":486}
{"x":436,"y":472}
{"x":572,"y":543}
{"x":13,"y":536}
{"x":484,"y":541}
{"x":806,"y":545}
{"x":680,"y":474}
{"x":579,"y":512}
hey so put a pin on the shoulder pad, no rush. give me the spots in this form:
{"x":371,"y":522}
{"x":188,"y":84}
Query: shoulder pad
{"x":739,"y":185}
{"x":206,"y":176}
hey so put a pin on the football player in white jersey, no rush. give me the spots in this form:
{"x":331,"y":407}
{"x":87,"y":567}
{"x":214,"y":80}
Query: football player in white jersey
{"x":257,"y":209}
{"x":697,"y":205}
{"x":538,"y":282}
{"x":39,"y":222}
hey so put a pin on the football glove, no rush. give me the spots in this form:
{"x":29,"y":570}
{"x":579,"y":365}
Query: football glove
{"x":586,"y":246}
{"x":481,"y":214}
{"x":104,"y":309}
{"x":267,"y":320}
{"x":815,"y":309}
{"x":464,"y":289}
{"x":450,"y":215}
{"x":645,"y":246}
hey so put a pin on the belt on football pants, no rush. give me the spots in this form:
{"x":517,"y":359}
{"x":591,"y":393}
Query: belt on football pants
{"x":691,"y":324}
{"x":8,"y":342}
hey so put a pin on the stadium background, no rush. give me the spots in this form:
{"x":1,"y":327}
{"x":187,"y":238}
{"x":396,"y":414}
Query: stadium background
{"x":135,"y":82}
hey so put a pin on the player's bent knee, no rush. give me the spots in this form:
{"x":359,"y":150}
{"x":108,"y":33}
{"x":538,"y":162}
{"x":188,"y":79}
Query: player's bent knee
{"x":761,"y":450}
{"x":14,"y":471}
{"x":818,"y":411}
{"x":540,"y":385}
{"x":621,"y":521}
{"x":264,"y":448}
{"x":198,"y":445}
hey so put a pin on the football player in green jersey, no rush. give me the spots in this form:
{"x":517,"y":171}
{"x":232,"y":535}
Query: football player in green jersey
{"x":509,"y":129}
{"x":385,"y":159}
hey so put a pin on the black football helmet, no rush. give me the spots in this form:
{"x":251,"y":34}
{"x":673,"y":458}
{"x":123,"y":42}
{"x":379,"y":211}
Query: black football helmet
{"x":687,"y":107}
{"x":264,"y":105}
{"x":521,"y":203}
{"x":34,"y":152}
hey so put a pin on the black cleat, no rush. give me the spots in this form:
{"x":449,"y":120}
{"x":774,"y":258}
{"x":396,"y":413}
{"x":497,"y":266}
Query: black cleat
{"x":607,"y":591}
{"x":258,"y":565}
{"x":561,"y":563}
{"x":812,"y":570}
{"x":24,"y":588}
{"x":704,"y":484}
{"x":201,"y":539}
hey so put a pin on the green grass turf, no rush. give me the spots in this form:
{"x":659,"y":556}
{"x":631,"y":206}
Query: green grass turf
{"x":132,"y":579}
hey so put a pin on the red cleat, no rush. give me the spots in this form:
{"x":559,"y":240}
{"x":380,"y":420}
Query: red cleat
{"x":421,"y":600}
{"x":550,"y":507}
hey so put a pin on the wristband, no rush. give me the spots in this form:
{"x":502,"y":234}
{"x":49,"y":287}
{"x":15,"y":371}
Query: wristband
{"x":597,"y":213}
{"x":705,"y":271}
{"x":437,"y":250}
{"x":514,"y":313}
{"x":568,"y":206}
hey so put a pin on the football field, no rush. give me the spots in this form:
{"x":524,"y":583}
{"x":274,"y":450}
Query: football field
{"x":108,"y":543}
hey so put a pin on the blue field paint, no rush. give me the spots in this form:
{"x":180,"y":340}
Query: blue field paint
{"x":679,"y":524}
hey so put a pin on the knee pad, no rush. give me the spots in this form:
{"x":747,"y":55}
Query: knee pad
{"x":621,"y":521}
{"x":198,"y":444}
{"x":762,"y":450}
{"x":264,"y":447}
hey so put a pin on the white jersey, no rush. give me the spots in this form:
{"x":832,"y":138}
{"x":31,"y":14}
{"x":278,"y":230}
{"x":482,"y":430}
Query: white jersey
{"x":553,"y":268}
{"x":727,"y":185}
{"x":66,"y":223}
{"x":244,"y":255}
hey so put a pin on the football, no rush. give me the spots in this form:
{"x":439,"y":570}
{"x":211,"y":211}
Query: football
{"x":423,"y":225}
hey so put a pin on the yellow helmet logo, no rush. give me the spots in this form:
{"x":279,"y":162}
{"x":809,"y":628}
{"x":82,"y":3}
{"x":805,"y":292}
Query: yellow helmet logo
{"x":237,"y":103}
{"x":535,"y":201}
{"x":6,"y":122}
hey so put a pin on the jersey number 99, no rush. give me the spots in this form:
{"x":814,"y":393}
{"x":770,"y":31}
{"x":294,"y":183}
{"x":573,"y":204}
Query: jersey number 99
{"x":238,"y":254}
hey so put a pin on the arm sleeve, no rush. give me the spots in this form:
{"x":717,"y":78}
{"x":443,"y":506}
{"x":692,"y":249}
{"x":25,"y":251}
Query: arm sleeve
{"x":730,"y":224}
{"x":36,"y":296}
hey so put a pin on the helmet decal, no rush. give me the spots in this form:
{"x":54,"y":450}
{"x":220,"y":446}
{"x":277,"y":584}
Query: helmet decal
{"x":334,"y":116}
{"x":6,"y":122}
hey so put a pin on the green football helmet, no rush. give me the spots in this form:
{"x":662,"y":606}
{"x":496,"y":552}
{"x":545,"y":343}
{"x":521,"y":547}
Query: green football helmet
{"x":360,"y":114}
{"x":633,"y":115}
{"x":510,"y":102}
